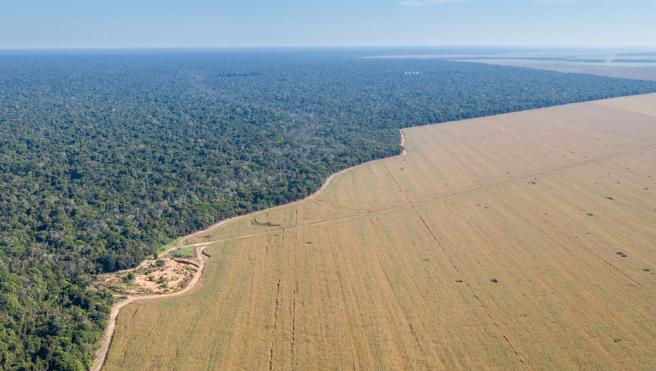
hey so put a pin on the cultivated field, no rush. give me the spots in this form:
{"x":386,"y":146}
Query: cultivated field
{"x":619,"y":70}
{"x":521,"y":241}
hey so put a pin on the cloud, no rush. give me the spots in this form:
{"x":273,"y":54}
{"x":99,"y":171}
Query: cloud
{"x":419,"y":3}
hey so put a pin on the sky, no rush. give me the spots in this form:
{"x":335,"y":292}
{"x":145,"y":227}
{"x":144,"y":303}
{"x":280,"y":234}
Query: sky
{"x":323,"y":23}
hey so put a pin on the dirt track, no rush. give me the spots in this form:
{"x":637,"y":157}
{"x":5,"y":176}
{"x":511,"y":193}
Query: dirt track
{"x":101,"y":354}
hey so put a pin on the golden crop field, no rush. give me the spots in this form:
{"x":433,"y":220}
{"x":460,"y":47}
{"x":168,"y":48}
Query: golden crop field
{"x":520,"y":241}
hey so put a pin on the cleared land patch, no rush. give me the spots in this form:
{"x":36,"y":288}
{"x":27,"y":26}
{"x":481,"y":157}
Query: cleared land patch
{"x":637,"y":71}
{"x":519,"y":241}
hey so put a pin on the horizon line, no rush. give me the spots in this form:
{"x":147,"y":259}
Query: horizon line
{"x":364,"y":46}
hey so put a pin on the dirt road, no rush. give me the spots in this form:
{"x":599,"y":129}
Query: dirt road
{"x":101,"y":354}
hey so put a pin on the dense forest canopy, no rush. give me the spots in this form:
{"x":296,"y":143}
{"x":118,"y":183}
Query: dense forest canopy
{"x":104,"y":156}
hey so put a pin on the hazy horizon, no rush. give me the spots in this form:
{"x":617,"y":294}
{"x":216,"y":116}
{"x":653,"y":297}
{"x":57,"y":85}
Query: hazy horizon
{"x":437,"y":49}
{"x":175,"y":24}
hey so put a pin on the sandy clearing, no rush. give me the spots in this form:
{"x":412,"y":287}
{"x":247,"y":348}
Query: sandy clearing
{"x":510,"y":242}
{"x":101,"y":354}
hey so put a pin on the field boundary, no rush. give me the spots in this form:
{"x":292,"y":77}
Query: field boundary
{"x":101,"y":354}
{"x":108,"y":335}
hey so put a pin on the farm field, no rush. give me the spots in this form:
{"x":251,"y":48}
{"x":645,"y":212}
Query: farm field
{"x":608,"y":63}
{"x":619,"y":70}
{"x":518,"y":241}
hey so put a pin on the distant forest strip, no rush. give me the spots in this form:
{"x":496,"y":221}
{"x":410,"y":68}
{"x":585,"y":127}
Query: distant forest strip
{"x":106,"y":156}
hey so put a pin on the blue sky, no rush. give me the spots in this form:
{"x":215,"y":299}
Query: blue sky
{"x":248,"y":23}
